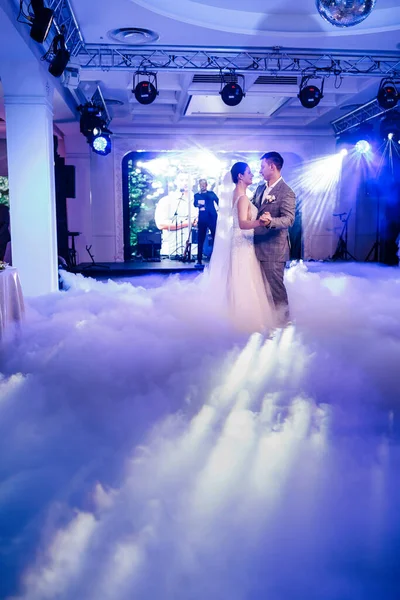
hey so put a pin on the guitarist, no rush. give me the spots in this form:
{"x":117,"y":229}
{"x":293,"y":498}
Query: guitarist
{"x":205,"y":201}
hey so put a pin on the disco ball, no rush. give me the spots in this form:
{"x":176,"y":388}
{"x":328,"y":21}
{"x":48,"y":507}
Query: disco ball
{"x":345,"y":13}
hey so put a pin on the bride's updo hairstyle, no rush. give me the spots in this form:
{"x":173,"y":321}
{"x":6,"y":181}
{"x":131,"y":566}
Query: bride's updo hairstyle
{"x":238,"y":169}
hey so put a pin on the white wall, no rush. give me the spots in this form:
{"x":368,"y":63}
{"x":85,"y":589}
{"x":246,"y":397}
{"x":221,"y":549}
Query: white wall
{"x":97,"y":209}
{"x":103,"y":207}
{"x":79,"y":209}
{"x":92,"y":211}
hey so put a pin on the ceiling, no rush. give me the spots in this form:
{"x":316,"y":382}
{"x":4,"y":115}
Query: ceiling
{"x":191,"y":100}
{"x":236,"y":23}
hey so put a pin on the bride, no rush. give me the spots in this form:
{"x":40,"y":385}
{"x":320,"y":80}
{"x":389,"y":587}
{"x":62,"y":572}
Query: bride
{"x":235,"y":274}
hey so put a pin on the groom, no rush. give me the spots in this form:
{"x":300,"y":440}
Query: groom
{"x":276,"y":201}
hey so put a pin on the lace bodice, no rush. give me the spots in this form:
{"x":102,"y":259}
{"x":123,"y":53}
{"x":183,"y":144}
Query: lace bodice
{"x":242,"y":236}
{"x":253,"y":213}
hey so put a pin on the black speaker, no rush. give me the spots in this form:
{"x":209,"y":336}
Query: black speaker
{"x":149,"y":244}
{"x":149,"y":237}
{"x":69,"y":181}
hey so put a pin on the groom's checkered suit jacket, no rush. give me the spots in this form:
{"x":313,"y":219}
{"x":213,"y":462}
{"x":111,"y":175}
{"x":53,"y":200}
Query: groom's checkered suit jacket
{"x":272,"y":243}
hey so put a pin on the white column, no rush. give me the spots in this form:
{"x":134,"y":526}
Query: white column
{"x":30,"y":153}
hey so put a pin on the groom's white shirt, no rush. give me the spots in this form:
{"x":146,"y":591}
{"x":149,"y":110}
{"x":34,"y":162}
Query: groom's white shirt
{"x":268,"y":189}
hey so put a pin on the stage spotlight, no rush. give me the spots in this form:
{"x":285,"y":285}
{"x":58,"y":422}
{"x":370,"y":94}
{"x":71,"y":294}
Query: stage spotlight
{"x":363,"y":134}
{"x":145,"y":90}
{"x":232,"y":94}
{"x":390,"y":126}
{"x":101,"y":144}
{"x":91,"y":120}
{"x":362,"y":147}
{"x":61,"y":56}
{"x":362,"y":137}
{"x":310,"y":95}
{"x":41,"y":21}
{"x":343,"y":152}
{"x":388,"y":95}
{"x":93,"y":125}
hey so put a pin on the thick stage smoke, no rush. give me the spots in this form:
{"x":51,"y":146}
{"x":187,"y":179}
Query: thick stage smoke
{"x":150,"y":452}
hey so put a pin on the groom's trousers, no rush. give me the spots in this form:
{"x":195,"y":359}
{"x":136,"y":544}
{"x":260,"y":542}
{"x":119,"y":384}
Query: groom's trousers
{"x":274,"y":272}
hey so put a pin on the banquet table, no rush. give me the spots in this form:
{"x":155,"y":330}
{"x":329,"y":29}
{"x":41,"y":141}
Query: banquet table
{"x":11,"y":299}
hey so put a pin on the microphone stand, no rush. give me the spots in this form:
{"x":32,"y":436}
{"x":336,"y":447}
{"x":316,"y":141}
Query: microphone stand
{"x":341,"y":252}
{"x":175,"y":254}
{"x":94,"y":264}
{"x":376,"y":247}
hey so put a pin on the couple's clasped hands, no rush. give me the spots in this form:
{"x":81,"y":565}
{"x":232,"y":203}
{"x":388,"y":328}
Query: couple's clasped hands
{"x":265,"y":219}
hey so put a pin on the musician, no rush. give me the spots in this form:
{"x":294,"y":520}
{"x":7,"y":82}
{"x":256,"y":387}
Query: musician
{"x":206,"y":202}
{"x":171,"y":216}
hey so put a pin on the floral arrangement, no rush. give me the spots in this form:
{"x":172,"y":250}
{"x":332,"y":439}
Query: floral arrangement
{"x":3,"y":265}
{"x":270,"y":198}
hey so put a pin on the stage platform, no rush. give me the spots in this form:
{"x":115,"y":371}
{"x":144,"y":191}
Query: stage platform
{"x":166,"y":267}
{"x":130,"y":269}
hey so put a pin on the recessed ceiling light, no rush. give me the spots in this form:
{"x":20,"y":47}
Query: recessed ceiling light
{"x":133,"y":35}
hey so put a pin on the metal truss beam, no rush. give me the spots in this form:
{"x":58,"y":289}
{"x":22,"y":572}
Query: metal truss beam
{"x":276,"y":61}
{"x":64,"y":17}
{"x":360,"y":115}
{"x":98,"y":100}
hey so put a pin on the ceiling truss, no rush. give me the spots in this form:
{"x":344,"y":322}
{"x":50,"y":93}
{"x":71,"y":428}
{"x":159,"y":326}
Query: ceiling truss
{"x":274,"y":61}
{"x":64,"y":18}
{"x":360,"y":115}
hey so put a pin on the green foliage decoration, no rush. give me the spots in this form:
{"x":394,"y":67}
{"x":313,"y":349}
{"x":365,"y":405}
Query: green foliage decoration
{"x":4,"y":197}
{"x":141,"y":209}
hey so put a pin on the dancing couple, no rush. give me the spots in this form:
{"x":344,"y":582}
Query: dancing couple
{"x":252,"y":246}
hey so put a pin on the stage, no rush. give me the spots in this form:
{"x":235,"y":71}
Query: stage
{"x":130,"y":269}
{"x":165,"y":266}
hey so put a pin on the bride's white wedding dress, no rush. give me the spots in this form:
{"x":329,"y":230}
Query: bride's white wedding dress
{"x":234,"y":283}
{"x":249,"y":297}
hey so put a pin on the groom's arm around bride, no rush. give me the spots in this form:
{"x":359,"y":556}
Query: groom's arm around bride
{"x":280,"y":209}
{"x":287,"y":205}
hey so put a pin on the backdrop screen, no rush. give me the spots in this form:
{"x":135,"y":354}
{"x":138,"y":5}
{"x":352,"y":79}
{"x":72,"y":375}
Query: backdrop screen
{"x":159,"y":190}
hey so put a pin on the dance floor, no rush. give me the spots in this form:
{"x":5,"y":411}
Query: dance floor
{"x":149,"y":452}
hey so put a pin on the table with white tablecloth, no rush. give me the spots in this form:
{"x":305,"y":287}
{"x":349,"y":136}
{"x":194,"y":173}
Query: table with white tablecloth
{"x":11,"y":298}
